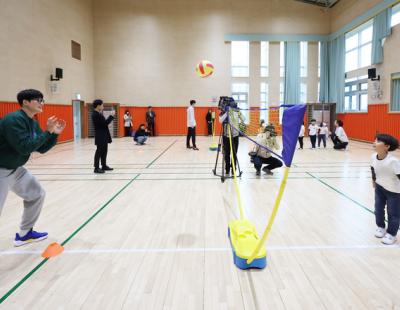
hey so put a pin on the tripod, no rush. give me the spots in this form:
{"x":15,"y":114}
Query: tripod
{"x":221,"y":148}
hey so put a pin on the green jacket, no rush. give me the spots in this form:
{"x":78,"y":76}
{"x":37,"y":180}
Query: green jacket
{"x":20,"y":136}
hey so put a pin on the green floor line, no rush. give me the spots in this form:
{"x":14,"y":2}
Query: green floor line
{"x":342,"y":194}
{"x":37,"y":267}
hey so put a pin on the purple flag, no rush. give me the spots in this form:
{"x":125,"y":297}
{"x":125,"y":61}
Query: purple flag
{"x":293,"y":117}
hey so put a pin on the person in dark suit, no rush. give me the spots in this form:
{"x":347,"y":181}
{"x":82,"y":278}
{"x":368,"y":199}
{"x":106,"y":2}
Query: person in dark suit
{"x":150,"y":120}
{"x":102,"y":136}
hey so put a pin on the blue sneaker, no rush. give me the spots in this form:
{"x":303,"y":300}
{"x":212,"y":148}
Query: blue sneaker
{"x":31,"y":236}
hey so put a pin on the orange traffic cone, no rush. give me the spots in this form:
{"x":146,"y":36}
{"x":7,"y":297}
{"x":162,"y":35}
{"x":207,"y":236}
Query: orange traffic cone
{"x":52,"y":250}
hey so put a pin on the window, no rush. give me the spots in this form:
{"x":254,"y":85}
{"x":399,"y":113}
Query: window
{"x":358,"y":47}
{"x":395,"y":92}
{"x":240,"y":92}
{"x":264,"y":102}
{"x":264,"y":58}
{"x":395,"y":15}
{"x":303,"y":92}
{"x":303,"y":58}
{"x":356,"y":94}
{"x":76,"y":50}
{"x":240,"y":58}
{"x":282,"y":59}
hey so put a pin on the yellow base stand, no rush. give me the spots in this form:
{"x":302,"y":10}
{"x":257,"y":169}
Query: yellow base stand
{"x":244,"y":240}
{"x":213,"y":147}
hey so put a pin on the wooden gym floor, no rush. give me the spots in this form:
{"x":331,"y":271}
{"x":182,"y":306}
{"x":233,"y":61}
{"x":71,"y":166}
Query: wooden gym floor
{"x":152,"y":234}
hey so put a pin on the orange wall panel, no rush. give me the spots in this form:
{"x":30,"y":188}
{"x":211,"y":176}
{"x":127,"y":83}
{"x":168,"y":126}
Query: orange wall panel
{"x":61,"y":111}
{"x":169,"y":120}
{"x":364,"y":126}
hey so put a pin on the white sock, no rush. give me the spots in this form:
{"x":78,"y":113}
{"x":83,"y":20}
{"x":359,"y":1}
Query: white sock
{"x":23,"y":232}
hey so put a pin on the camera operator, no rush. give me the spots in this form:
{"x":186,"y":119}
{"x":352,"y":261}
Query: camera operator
{"x":230,"y":114}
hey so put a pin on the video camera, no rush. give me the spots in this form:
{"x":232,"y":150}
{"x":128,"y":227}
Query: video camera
{"x":226,"y":102}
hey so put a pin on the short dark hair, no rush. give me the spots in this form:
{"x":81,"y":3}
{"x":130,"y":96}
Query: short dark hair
{"x":28,"y":94}
{"x":192,"y":102}
{"x":339,"y":122}
{"x":149,"y":107}
{"x":97,"y":102}
{"x":388,"y":140}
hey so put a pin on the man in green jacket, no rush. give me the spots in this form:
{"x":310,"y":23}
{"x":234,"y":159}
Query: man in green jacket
{"x":20,"y":135}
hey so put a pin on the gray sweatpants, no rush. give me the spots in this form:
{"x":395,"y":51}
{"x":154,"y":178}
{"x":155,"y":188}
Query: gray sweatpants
{"x":25,"y":185}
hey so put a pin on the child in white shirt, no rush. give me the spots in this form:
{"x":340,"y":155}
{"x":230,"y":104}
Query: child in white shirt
{"x":385,"y":170}
{"x":322,"y":133}
{"x":312,"y":133}
{"x":301,"y":136}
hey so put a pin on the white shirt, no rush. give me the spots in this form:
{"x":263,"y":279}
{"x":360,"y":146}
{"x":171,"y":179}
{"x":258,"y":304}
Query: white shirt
{"x":127,"y":120}
{"x":313,"y":129}
{"x":339,"y":132}
{"x":302,"y":129}
{"x":191,"y":121}
{"x":323,"y":130}
{"x":386,"y":171}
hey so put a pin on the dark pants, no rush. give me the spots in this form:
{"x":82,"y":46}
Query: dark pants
{"x":101,"y":153}
{"x":301,"y":141}
{"x":337,"y":144}
{"x":313,"y":139}
{"x":209,"y":128}
{"x":191,"y":134}
{"x":151,"y":128}
{"x":227,"y":152}
{"x":271,"y":162}
{"x":127,"y":131}
{"x":323,"y":138}
{"x":392,"y":201}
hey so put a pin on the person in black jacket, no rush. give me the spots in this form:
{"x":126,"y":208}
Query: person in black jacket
{"x":102,"y":136}
{"x":141,"y":135}
{"x":150,"y":120}
{"x":20,"y":136}
{"x":209,"y":122}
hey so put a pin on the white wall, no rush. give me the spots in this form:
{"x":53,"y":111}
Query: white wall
{"x":35,"y":38}
{"x":146,"y":51}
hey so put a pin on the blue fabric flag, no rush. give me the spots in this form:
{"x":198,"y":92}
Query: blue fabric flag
{"x":293,"y":118}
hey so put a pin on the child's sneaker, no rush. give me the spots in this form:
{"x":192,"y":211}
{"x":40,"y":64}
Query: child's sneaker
{"x":389,"y":239}
{"x":380,"y":232}
{"x":31,"y":236}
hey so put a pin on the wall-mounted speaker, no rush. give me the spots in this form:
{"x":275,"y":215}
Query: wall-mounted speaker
{"x":372,"y":73}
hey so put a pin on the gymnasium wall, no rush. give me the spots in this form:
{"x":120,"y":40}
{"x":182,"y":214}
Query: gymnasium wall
{"x":378,"y":118}
{"x":62,"y":111}
{"x":346,"y":11}
{"x":35,"y":38}
{"x":145,"y":51}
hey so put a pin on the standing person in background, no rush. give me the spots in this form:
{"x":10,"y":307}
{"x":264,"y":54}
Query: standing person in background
{"x":150,"y":120}
{"x":20,"y":136}
{"x":102,"y":136}
{"x":127,"y":123}
{"x":339,"y":138}
{"x":191,"y":125}
{"x":301,"y":136}
{"x":209,"y":121}
{"x":313,"y":128}
{"x":323,"y":132}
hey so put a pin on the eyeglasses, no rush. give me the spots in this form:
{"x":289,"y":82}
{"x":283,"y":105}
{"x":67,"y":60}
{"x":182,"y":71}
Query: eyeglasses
{"x":40,"y":100}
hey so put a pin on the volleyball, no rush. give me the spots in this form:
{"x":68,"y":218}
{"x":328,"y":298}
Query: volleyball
{"x":204,"y":69}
